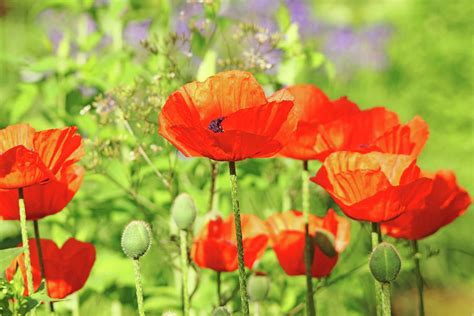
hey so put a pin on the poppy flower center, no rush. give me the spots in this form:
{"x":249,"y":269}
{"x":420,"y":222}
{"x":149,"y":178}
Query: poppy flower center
{"x":363,"y":146}
{"x":216,"y":126}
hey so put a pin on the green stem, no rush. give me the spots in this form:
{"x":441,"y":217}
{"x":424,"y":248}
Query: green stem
{"x":308,"y":255}
{"x":219,"y":291}
{"x":419,"y":278}
{"x":184,"y":270}
{"x":138,"y":285}
{"x":238,"y":233}
{"x":41,"y":261}
{"x":378,"y":288}
{"x":26,"y":246}
{"x":386,"y":305}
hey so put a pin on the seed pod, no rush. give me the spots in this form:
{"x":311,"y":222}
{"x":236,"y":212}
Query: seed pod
{"x":136,"y":239}
{"x":325,"y":241}
{"x":258,"y":286}
{"x":183,"y":211}
{"x":385,"y":262}
{"x":220,"y":311}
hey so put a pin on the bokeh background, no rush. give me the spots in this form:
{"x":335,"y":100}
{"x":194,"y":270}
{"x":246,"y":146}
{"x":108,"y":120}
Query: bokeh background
{"x":107,"y":66}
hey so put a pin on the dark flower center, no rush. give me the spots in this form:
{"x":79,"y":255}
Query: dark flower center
{"x":216,"y":126}
{"x":364,"y":146}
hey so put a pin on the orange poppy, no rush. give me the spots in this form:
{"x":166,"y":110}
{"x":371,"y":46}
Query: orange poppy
{"x":216,"y":246}
{"x":44,"y":166}
{"x":376,"y":129}
{"x":446,"y":202}
{"x":66,"y":268}
{"x":287,"y":235}
{"x":374,"y":187}
{"x":312,"y":108}
{"x":227,"y":118}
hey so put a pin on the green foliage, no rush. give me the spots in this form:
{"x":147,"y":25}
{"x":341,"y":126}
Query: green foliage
{"x":113,"y":93}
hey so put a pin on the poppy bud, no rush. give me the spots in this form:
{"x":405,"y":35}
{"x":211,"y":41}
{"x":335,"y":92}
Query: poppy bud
{"x":220,"y":311}
{"x":258,"y":286}
{"x":325,"y":241}
{"x":385,"y":262}
{"x":136,"y":239}
{"x":183,"y":211}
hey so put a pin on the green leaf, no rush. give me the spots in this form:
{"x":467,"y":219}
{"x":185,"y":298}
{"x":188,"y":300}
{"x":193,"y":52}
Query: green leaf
{"x":283,"y":17}
{"x":198,"y":44}
{"x":7,"y":256}
{"x":208,"y":66}
{"x":23,"y":102}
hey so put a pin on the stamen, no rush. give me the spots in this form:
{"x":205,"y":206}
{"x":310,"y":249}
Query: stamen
{"x":216,"y":126}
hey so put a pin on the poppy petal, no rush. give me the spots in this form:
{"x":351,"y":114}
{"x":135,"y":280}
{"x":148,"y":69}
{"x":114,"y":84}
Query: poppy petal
{"x":21,"y":167}
{"x":58,"y":146}
{"x":218,"y":255}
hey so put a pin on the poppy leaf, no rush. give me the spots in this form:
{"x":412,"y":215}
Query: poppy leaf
{"x":7,"y":256}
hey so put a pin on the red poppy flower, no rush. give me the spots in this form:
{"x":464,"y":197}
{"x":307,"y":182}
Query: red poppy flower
{"x":312,"y":108}
{"x":375,"y":129}
{"x":287,"y":235}
{"x":216,"y":247}
{"x":53,"y":151}
{"x":228,"y":118}
{"x":446,"y":201}
{"x":374,"y":187}
{"x":66,"y":268}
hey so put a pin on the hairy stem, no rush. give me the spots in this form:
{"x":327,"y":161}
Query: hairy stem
{"x":138,"y":285}
{"x":26,"y":246}
{"x":386,"y":305}
{"x":238,"y":233}
{"x":308,"y":255}
{"x":184,"y":270}
{"x":419,"y":278}
{"x":375,"y":236}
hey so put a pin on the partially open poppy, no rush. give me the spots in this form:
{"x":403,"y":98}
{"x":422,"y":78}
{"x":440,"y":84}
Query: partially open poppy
{"x":287,"y":235}
{"x":376,"y":129}
{"x":446,"y":201}
{"x":66,"y":268}
{"x":53,"y":155}
{"x":374,"y":187}
{"x":29,"y":157}
{"x":312,"y":108}
{"x":228,"y":118}
{"x":216,"y":247}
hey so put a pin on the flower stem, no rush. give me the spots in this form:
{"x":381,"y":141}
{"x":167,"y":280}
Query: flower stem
{"x":138,"y":285}
{"x":419,"y":278}
{"x":184,"y":269}
{"x":386,"y":305}
{"x":41,"y":261}
{"x":238,"y":233}
{"x":308,"y":256}
{"x":219,"y":291}
{"x":26,"y":246}
{"x":375,"y":236}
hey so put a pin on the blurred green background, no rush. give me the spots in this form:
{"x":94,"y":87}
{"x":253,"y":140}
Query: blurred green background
{"x":103,"y":65}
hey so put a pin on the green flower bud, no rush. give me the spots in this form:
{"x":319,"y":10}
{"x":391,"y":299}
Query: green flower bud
{"x":325,"y":241}
{"x":183,"y":211}
{"x":220,"y":311}
{"x":136,"y":239}
{"x":258,"y":287}
{"x":385,"y":262}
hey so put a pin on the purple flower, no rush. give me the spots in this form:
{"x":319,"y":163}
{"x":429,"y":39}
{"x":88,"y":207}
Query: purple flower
{"x":301,"y":14}
{"x":136,"y":31}
{"x":351,"y":50}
